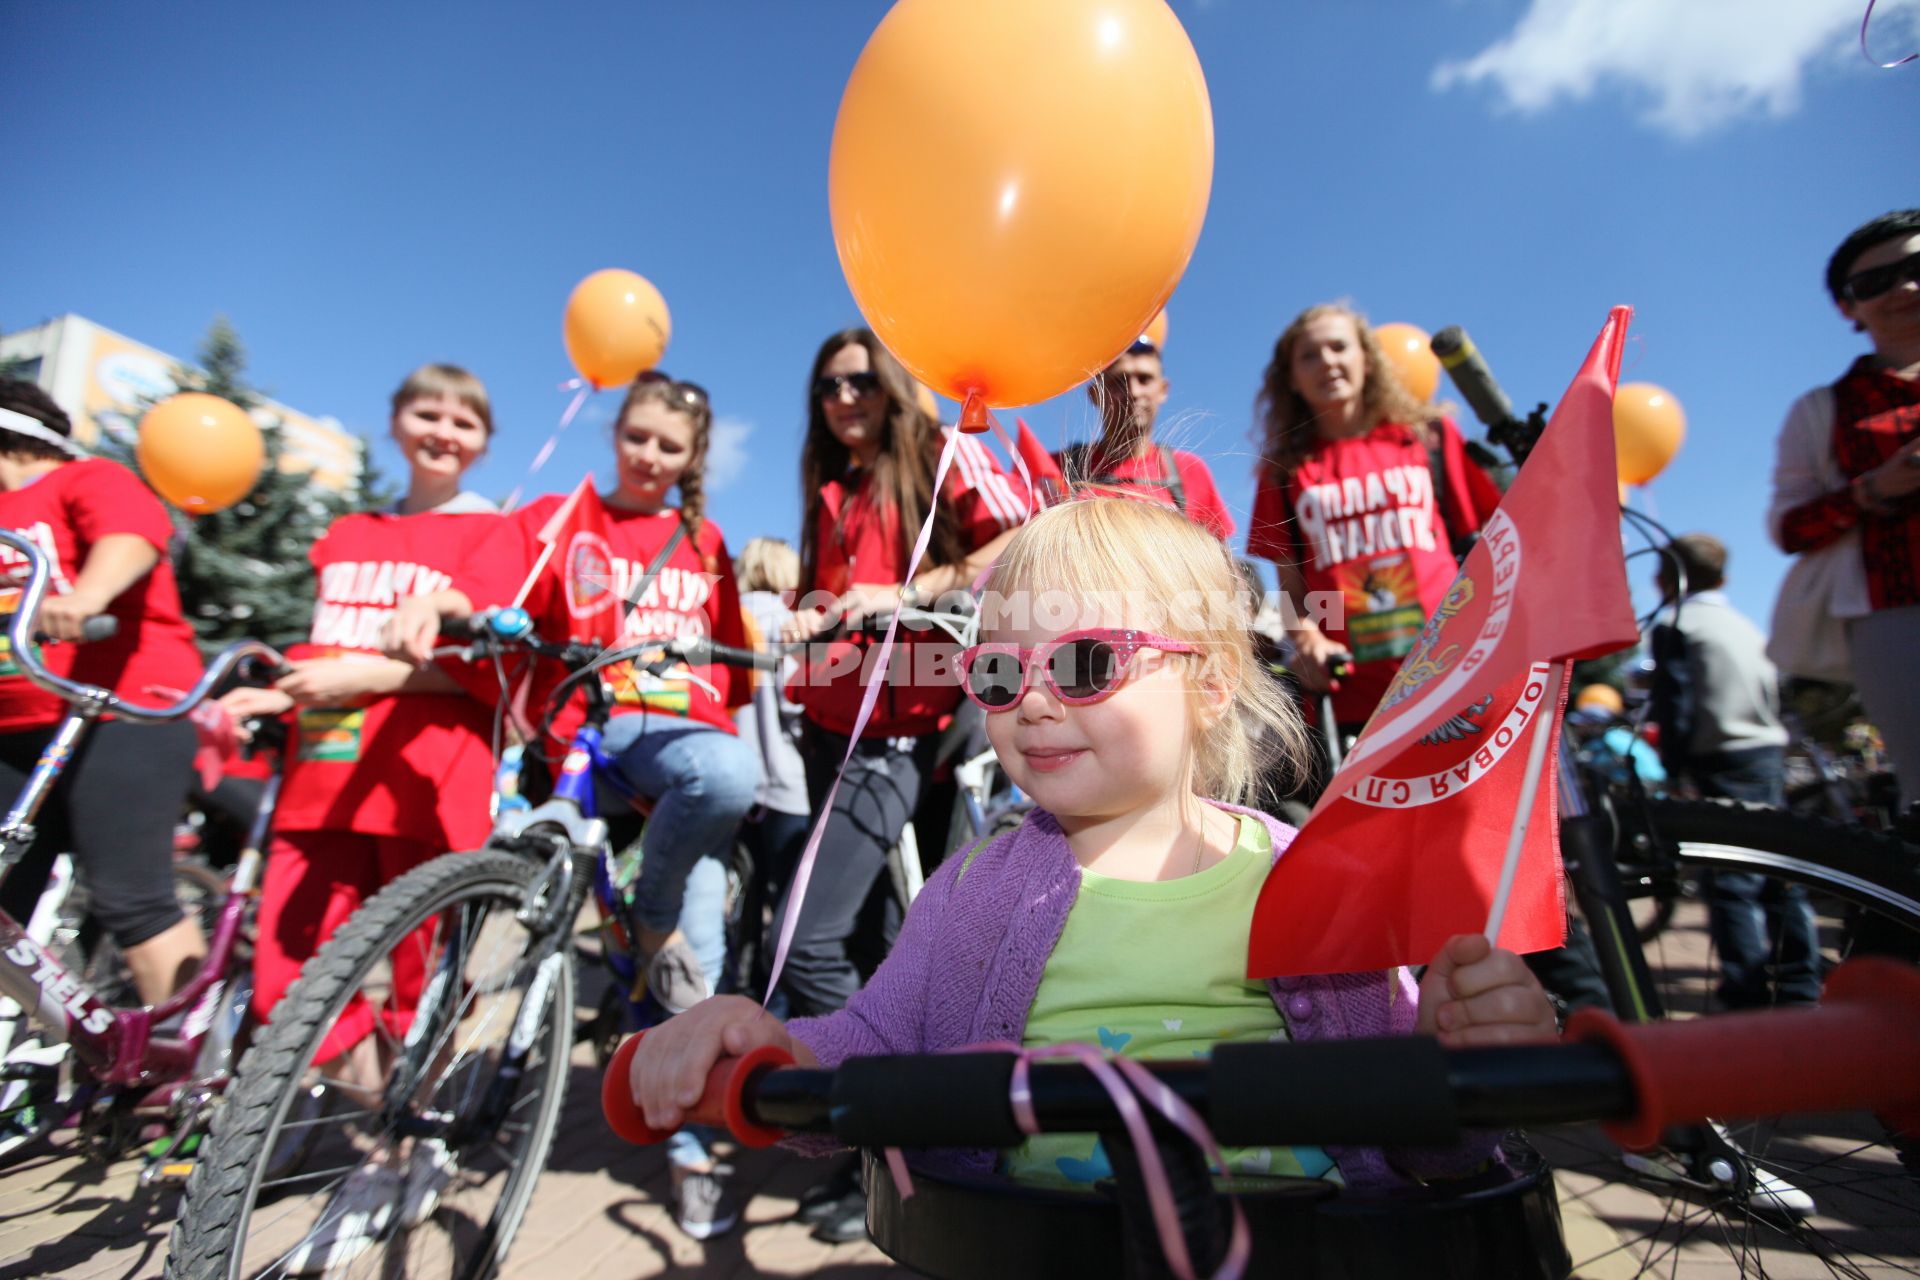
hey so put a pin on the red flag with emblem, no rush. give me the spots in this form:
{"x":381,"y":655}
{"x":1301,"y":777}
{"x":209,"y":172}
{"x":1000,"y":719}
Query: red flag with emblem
{"x":1406,"y":846}
{"x":574,"y":547}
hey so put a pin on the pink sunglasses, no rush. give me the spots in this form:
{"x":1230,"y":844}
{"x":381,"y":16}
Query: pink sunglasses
{"x":1080,"y":667}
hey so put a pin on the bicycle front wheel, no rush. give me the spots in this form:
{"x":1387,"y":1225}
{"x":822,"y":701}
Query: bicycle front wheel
{"x":436,"y":1027}
{"x":1763,"y":904}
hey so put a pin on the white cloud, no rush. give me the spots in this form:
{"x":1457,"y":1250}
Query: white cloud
{"x":726,"y":452}
{"x":1692,"y":65}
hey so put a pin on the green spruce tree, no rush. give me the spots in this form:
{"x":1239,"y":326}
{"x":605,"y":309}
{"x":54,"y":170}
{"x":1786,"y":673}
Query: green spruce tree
{"x":244,"y":571}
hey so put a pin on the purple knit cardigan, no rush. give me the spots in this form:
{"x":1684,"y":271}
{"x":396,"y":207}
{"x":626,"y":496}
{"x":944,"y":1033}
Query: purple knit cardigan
{"x":971,"y":953}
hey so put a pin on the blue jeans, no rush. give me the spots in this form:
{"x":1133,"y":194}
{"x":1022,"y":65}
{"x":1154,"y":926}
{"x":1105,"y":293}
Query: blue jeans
{"x":1757,"y":924}
{"x":701,"y":780}
{"x":703,"y":918}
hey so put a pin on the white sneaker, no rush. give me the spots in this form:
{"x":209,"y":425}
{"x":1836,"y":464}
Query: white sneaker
{"x":359,"y":1215}
{"x":430,"y":1167}
{"x":1777,"y":1196}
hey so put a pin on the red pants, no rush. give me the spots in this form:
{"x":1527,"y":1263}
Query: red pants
{"x":314,"y":881}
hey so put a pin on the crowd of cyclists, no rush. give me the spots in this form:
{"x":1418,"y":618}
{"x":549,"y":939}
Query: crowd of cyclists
{"x":1365,"y":497}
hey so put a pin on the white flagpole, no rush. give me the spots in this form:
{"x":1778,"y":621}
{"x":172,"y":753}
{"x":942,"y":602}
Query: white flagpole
{"x":1523,"y":811}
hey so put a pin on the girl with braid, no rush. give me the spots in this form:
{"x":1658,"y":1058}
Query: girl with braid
{"x":674,"y":743}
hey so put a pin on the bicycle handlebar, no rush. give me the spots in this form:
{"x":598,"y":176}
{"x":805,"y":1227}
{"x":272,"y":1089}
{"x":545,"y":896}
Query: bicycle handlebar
{"x":20,"y":638}
{"x":1391,"y":1091}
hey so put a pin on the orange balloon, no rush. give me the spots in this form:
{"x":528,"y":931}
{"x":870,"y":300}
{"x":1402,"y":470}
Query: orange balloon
{"x":199,"y":452}
{"x":990,"y":233}
{"x":1412,"y":360}
{"x":1157,"y":330}
{"x":1648,"y":426}
{"x":1604,"y":696}
{"x":616,"y":327}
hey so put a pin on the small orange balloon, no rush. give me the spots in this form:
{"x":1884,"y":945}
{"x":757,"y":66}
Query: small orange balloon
{"x":1157,"y":330}
{"x":990,"y":236}
{"x":616,"y":327}
{"x":1648,"y":427}
{"x":1412,"y":360}
{"x":199,"y":452}
{"x":1604,"y":696}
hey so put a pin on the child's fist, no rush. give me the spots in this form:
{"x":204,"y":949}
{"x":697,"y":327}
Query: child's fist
{"x":671,"y":1065}
{"x":1475,"y":995}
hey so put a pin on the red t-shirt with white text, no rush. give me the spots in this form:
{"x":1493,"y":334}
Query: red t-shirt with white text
{"x":152,"y":658}
{"x":415,"y":765}
{"x":1359,"y":518}
{"x":685,"y":599}
{"x":860,"y":541}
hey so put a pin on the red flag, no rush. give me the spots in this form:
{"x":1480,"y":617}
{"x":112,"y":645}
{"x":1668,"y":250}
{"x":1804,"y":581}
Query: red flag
{"x":1404,"y":848}
{"x":1049,"y":482}
{"x":585,"y":602}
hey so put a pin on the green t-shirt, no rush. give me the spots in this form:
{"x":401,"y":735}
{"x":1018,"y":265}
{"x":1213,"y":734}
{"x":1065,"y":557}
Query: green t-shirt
{"x":1157,"y":969}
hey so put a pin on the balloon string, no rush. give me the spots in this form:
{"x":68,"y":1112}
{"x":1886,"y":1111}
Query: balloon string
{"x":1865,"y":18}
{"x":1115,"y":1075}
{"x":875,"y":682}
{"x":580,"y":393}
{"x":1019,"y":462}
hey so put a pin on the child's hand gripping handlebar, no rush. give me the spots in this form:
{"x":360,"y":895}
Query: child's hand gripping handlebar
{"x":721,"y":1103}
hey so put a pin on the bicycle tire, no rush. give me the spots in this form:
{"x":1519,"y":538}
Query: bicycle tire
{"x":1860,"y":1175}
{"x":211,"y":1237}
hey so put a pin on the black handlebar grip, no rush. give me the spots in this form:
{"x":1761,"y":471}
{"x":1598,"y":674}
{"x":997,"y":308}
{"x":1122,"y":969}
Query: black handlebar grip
{"x":1390,"y":1091}
{"x":1470,"y":373}
{"x":931,"y":1100}
{"x":728,"y":655}
{"x":101,"y":626}
{"x":457,"y":628}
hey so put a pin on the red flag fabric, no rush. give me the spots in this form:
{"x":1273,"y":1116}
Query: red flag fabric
{"x":574,"y":548}
{"x":1405,"y":846}
{"x":1049,"y":482}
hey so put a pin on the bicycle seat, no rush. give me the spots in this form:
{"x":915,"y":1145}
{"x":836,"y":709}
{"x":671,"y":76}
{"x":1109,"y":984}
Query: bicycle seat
{"x":1503,"y":1223}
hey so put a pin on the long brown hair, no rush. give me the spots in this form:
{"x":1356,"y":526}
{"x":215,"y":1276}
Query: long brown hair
{"x":1288,"y":429}
{"x":902,"y":474}
{"x":690,"y":400}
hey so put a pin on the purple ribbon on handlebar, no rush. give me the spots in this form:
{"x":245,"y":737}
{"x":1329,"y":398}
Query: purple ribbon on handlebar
{"x":1115,"y":1075}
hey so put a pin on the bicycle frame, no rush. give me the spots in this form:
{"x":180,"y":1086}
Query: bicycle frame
{"x":118,"y":1045}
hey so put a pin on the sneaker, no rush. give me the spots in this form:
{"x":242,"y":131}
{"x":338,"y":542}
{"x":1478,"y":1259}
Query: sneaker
{"x":1771,"y":1194}
{"x":821,"y":1200}
{"x":675,"y":978}
{"x":430,"y":1167}
{"x":358,"y":1216}
{"x":844,"y":1221}
{"x":702,"y":1206}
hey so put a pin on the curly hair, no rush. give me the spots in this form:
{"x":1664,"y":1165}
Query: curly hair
{"x":1287,"y":432}
{"x":902,"y":474}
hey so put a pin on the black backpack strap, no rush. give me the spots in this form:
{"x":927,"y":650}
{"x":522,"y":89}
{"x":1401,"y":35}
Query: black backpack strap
{"x":1458,"y":543}
{"x":1175,"y":488}
{"x":653,"y":570}
{"x":1074,"y":458}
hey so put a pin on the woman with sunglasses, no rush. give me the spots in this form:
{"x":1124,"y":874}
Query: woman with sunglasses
{"x":1846,"y":497}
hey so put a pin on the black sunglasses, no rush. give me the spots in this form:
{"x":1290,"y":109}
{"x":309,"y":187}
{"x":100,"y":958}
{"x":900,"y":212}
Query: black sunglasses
{"x":830,"y":386}
{"x":1874,"y":281}
{"x":692,"y":394}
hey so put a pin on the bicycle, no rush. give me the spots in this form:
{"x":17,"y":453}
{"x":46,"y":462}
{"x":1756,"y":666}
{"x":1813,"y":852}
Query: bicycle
{"x":478,"y":1064}
{"x":1392,"y":1091}
{"x":111,"y":1068}
{"x":1636,"y":865}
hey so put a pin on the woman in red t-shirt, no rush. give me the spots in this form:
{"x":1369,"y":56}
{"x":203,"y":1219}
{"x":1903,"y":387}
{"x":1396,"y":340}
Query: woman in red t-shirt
{"x":116,"y":804}
{"x":389,"y":765}
{"x":1363,"y":493}
{"x":675,"y":741}
{"x":867,"y":471}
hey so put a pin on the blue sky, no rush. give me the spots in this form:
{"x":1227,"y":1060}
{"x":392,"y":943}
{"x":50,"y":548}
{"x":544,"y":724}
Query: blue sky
{"x":362,"y":187}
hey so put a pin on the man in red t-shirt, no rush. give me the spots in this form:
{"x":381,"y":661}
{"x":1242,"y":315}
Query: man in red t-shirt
{"x":1125,"y":459}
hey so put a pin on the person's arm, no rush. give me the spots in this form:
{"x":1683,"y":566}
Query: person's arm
{"x":115,"y":562}
{"x":335,"y":682}
{"x":1314,"y":650}
{"x":410,"y":633}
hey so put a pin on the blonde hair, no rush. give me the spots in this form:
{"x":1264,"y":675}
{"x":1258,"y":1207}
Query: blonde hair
{"x":446,"y":380}
{"x":1288,"y":429}
{"x":1168,"y":575}
{"x":767,"y":564}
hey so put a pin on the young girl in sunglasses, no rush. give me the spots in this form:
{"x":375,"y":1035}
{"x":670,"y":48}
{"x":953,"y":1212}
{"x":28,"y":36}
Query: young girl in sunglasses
{"x":1122,"y":694}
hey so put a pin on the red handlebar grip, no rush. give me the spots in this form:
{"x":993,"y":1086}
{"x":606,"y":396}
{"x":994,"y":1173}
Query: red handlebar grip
{"x":720,"y":1102}
{"x":1867,"y":1033}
